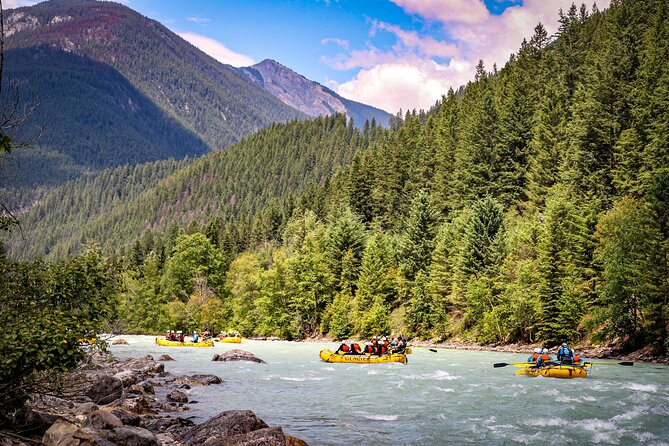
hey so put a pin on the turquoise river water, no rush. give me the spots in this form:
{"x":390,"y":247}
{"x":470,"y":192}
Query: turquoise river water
{"x":442,"y":398}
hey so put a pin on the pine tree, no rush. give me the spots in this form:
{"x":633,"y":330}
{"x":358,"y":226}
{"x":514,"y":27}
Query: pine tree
{"x":417,"y":241}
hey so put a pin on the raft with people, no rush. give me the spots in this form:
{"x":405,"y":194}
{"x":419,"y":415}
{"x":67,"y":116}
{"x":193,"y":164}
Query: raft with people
{"x":201,"y":343}
{"x":378,"y":350}
{"x":568,"y":364}
{"x":230,"y":337}
{"x":330,"y":356}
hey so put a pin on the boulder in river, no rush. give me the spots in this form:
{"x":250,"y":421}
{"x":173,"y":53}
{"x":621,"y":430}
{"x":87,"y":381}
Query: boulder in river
{"x":196,"y":380}
{"x":218,"y":429}
{"x":120,"y":341}
{"x":133,"y":436}
{"x":165,"y":358}
{"x":177,"y":396}
{"x":237,"y":355}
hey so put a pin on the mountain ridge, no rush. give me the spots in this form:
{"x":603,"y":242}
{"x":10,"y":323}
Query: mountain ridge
{"x":309,"y":96}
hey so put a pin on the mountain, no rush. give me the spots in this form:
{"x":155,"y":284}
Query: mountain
{"x":308,"y":96}
{"x":115,"y":87}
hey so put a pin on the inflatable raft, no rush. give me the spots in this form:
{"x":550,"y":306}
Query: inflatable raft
{"x":229,"y":340}
{"x":329,"y":356}
{"x":165,"y":343}
{"x":555,"y":371}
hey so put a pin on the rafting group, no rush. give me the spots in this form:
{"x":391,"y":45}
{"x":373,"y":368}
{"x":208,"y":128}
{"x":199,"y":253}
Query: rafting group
{"x":378,"y":349}
{"x":567,"y":364}
{"x":205,"y":339}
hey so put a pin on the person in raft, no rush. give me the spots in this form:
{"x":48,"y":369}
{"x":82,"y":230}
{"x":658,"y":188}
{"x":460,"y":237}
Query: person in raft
{"x":534,"y":356}
{"x":565,"y":355}
{"x":544,"y":359}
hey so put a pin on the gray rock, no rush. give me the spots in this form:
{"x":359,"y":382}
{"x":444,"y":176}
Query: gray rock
{"x":144,"y":365}
{"x":85,"y":408}
{"x":104,"y":420}
{"x":133,"y":436}
{"x":237,"y":355}
{"x":294,"y":441}
{"x":126,"y":417}
{"x":120,"y":341}
{"x":196,"y":380}
{"x":127,"y":377}
{"x":270,"y":436}
{"x":177,"y":396}
{"x":217,"y":429}
{"x":103,"y":389}
{"x":165,"y":358}
{"x":64,"y":433}
{"x":142,"y":388}
{"x":169,"y":424}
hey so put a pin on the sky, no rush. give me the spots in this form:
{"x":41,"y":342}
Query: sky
{"x":392,"y":54}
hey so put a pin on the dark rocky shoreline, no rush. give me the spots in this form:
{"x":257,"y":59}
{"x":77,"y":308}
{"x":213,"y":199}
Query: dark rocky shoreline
{"x":135,"y":402}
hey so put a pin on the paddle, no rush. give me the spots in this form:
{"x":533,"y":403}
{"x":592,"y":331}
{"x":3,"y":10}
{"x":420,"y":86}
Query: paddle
{"x":626,"y":363}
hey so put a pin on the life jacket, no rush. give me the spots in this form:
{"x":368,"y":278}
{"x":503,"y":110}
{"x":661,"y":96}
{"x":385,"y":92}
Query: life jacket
{"x":355,"y":348}
{"x":383,"y":349}
{"x":369,"y":348}
{"x":535,"y":356}
{"x":577,"y":358}
{"x":344,"y":348}
{"x":167,"y":335}
{"x":545,"y":358}
{"x":181,"y":337}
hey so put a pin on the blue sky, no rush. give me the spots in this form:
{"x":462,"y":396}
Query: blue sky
{"x":388,"y":53}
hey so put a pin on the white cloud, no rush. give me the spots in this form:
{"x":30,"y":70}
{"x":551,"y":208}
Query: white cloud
{"x":407,"y":75}
{"x":198,"y":19}
{"x":341,"y":42}
{"x":405,"y":84}
{"x":217,"y":50}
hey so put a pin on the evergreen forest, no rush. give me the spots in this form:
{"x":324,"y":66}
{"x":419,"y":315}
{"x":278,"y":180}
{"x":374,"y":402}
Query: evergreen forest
{"x":532,"y":205}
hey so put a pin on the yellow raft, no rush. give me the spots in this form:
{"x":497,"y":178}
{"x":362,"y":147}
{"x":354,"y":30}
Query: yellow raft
{"x":555,"y":371}
{"x":229,"y":340}
{"x":165,"y":343}
{"x":329,"y":356}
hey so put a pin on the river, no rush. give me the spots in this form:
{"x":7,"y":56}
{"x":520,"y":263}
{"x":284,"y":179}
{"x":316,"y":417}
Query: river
{"x":447,"y":397}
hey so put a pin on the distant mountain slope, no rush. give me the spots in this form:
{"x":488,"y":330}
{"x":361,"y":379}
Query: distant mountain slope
{"x":118,"y":205}
{"x":114,"y":87}
{"x":208,"y":98}
{"x":308,"y":96}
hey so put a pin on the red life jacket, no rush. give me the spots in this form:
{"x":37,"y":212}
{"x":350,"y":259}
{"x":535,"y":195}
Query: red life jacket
{"x":577,"y":358}
{"x":383,"y":349}
{"x":369,"y":348}
{"x":545,"y":357}
{"x":344,"y":348}
{"x":355,"y":348}
{"x":535,"y":356}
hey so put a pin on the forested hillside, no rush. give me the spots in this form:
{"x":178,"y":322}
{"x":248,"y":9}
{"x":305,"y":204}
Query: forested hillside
{"x":119,"y":205}
{"x":533,"y":206}
{"x":113,"y":87}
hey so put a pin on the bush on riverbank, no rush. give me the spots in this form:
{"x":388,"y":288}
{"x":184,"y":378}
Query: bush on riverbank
{"x":45,"y":310}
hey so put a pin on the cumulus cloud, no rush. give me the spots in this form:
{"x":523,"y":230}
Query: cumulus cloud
{"x":217,"y":50}
{"x":418,"y":69}
{"x":405,"y":84}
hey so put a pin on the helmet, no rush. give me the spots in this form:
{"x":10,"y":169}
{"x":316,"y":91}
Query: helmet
{"x":537,"y":350}
{"x":564,"y":344}
{"x":545,"y":351}
{"x":385,"y":338}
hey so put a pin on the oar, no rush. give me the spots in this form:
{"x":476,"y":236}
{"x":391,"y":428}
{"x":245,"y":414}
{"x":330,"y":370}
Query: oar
{"x":627,"y":363}
{"x":515,"y":364}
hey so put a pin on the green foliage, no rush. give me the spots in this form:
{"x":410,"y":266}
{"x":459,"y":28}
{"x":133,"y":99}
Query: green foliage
{"x":45,"y":310}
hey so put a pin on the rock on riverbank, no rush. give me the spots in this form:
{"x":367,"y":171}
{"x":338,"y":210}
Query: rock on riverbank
{"x":133,"y":403}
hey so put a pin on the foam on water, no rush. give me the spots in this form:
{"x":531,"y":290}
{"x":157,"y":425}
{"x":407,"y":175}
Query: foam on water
{"x":301,"y":378}
{"x":445,"y":389}
{"x":377,"y":417}
{"x":634,"y":413}
{"x":602,"y":431}
{"x":641,"y":387}
{"x":545,"y":422}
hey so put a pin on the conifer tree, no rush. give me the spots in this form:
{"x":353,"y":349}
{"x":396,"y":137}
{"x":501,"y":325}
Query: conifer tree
{"x":417,"y":240}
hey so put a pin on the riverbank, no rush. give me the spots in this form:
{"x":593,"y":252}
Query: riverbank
{"x":137,"y":401}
